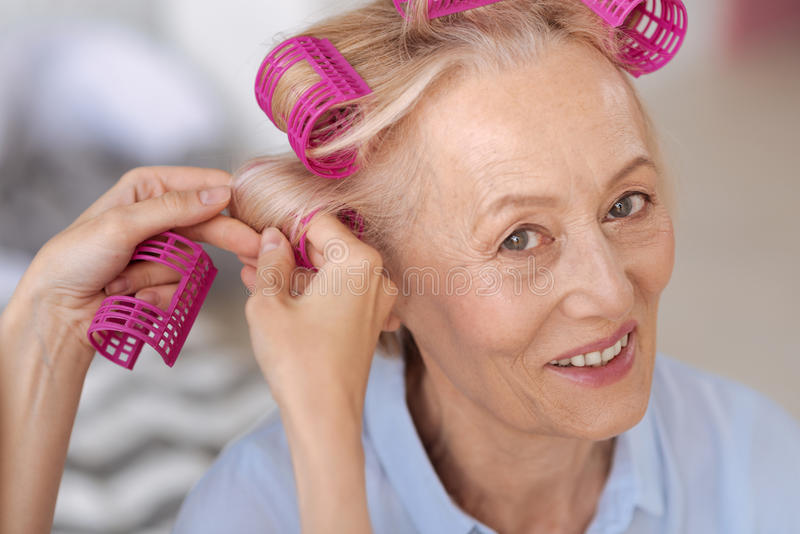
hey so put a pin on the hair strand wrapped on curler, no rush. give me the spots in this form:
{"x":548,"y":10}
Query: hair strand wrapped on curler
{"x":318,"y":115}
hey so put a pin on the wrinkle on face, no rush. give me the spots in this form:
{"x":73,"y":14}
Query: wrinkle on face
{"x":562,"y":127}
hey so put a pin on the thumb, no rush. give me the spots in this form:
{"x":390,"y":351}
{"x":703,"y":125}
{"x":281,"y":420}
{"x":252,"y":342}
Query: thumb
{"x":172,"y":209}
{"x":275,"y":265}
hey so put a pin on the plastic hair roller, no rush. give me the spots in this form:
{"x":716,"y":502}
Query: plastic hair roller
{"x":348,"y":217}
{"x":440,"y":8}
{"x":122,"y":325}
{"x":654,"y":30}
{"x":318,"y":115}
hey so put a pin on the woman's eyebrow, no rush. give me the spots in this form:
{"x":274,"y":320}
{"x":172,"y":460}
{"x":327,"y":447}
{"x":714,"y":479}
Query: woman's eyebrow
{"x":514,"y":200}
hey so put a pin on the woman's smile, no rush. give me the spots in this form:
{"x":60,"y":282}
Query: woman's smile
{"x":609,"y":365}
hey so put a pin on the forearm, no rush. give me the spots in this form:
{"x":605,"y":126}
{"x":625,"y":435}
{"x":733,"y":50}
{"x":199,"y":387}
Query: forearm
{"x":328,"y":461}
{"x":42,"y":371}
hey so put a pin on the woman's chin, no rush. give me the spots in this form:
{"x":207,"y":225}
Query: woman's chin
{"x":598,"y":413}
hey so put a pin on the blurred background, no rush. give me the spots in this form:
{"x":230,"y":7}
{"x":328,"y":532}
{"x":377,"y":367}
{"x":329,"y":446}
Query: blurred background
{"x":90,"y":89}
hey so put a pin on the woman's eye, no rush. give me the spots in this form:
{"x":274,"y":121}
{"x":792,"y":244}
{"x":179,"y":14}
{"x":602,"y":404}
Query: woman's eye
{"x":628,"y":205}
{"x":526,"y":238}
{"x":522,"y":239}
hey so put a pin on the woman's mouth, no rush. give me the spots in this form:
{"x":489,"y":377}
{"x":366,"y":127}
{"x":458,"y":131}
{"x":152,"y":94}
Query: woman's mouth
{"x":595,"y":358}
{"x":599,"y":368}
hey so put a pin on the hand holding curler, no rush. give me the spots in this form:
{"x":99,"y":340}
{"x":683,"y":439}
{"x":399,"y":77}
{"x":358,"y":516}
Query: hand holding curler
{"x":315,"y":350}
{"x":44,"y":349}
{"x":74,"y":271}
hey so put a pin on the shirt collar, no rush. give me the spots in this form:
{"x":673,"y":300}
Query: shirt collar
{"x":399,"y":448}
{"x":635,"y":479}
{"x":643,"y":445}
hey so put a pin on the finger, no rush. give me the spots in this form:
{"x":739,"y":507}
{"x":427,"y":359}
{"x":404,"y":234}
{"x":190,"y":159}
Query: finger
{"x":160,"y":296}
{"x":132,"y":224}
{"x":275,"y":266}
{"x":336,"y":242}
{"x":247,"y":260}
{"x":248,"y":276}
{"x":226,"y":233}
{"x":143,"y":183}
{"x":141,"y":275}
{"x":301,"y":280}
{"x":316,"y":257}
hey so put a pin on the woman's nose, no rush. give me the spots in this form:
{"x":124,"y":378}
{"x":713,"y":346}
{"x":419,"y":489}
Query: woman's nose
{"x":592,"y":278}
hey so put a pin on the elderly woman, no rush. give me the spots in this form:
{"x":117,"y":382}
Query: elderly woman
{"x":483,"y":359}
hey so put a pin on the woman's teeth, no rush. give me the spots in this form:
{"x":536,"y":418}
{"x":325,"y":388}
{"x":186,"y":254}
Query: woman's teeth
{"x":594,"y":359}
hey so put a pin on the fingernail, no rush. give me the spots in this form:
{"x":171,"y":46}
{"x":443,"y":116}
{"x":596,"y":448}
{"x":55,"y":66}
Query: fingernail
{"x":270,"y":239}
{"x":148,"y":296}
{"x":215,"y":195}
{"x":118,"y":285}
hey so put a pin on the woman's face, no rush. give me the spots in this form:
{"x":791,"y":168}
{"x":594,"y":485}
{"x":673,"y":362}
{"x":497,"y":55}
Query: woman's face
{"x":543,"y":231}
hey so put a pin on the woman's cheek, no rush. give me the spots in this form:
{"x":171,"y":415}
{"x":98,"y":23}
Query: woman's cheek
{"x":646,"y":249}
{"x":655,"y":261}
{"x":501,"y":315}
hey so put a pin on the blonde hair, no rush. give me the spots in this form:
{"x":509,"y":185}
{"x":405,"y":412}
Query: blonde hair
{"x":403,"y":61}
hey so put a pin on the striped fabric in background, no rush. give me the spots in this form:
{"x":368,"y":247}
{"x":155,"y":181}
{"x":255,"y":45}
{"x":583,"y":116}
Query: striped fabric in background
{"x":143,"y":438}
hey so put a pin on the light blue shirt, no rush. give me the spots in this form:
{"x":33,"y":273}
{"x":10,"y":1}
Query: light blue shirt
{"x":709,"y":456}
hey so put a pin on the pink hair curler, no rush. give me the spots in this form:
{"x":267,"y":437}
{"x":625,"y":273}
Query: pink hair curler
{"x":654,"y":30}
{"x":122,"y":325}
{"x":440,"y":8}
{"x":348,"y":217}
{"x":318,"y":115}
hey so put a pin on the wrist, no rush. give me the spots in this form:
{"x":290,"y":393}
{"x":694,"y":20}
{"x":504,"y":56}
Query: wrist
{"x":312,"y":420}
{"x":34,"y":332}
{"x":305,"y":396}
{"x":328,"y":461}
{"x":42,"y":371}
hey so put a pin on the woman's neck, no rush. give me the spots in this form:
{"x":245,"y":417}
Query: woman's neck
{"x":513,"y":482}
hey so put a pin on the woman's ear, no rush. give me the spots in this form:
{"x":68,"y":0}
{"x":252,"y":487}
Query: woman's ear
{"x":394,"y":320}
